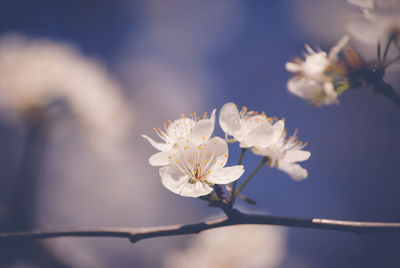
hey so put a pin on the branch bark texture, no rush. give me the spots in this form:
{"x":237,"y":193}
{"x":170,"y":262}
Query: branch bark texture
{"x":235,"y":218}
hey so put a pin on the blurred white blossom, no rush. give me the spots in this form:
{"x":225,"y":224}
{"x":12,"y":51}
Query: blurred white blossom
{"x":242,"y":246}
{"x":194,"y":168}
{"x":195,"y":129}
{"x":376,"y":22}
{"x":35,"y":74}
{"x":318,"y":78}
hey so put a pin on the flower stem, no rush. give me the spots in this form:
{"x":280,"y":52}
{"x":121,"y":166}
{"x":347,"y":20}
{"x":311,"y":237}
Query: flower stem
{"x":263,"y":161}
{"x":391,"y":38}
{"x":379,"y":51}
{"x":233,"y":196}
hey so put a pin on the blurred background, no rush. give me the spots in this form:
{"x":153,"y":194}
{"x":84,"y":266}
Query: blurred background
{"x":81,"y":81}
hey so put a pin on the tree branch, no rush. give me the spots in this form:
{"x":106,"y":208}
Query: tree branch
{"x":237,"y":217}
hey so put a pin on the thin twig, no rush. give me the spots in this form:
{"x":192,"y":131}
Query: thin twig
{"x":248,"y":179}
{"x":233,"y":196}
{"x":237,"y":217}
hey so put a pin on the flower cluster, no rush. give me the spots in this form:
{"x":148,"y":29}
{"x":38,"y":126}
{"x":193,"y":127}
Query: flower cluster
{"x":191,"y":161}
{"x":319,"y":78}
{"x":267,"y":137}
{"x":322,"y":76}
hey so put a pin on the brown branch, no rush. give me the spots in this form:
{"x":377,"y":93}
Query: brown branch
{"x":136,"y":234}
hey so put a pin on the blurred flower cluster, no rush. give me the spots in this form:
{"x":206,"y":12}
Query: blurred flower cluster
{"x":192,"y":161}
{"x":39,"y":77}
{"x":322,"y":77}
{"x":245,"y":246}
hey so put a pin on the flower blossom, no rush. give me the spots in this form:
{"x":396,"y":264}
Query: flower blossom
{"x":284,"y":153}
{"x":194,"y":168}
{"x":247,"y":127}
{"x":193,"y":128}
{"x":319,"y":77}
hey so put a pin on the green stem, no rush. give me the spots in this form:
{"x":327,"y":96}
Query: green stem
{"x":262,"y":163}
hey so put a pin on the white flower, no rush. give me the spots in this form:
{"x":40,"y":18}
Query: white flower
{"x":284,"y":153}
{"x":194,"y":168}
{"x":312,"y":80}
{"x":248,"y":128}
{"x":195,"y":129}
{"x":241,"y":246}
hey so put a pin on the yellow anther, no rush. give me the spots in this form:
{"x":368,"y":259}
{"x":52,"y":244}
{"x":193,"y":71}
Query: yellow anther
{"x":210,"y":153}
{"x":169,"y":157}
{"x":177,"y":160}
{"x":187,"y":140}
{"x":186,"y":147}
{"x":226,"y":155}
{"x":175,"y":144}
{"x":283,"y":120}
{"x":204,"y":137}
{"x":205,"y":115}
{"x":183,"y":115}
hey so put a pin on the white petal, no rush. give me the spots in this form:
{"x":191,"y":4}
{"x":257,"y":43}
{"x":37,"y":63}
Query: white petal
{"x":159,"y":159}
{"x":293,"y":67}
{"x":261,"y":135}
{"x":296,"y":156}
{"x":294,"y":170}
{"x":180,"y":128}
{"x":159,"y":146}
{"x":334,"y":52}
{"x":278,"y":129}
{"x":203,"y":129}
{"x":177,"y":182}
{"x":173,"y":179}
{"x":195,"y":189}
{"x":229,"y":118}
{"x":225,"y":175}
{"x":219,"y":149}
{"x":304,"y":87}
